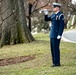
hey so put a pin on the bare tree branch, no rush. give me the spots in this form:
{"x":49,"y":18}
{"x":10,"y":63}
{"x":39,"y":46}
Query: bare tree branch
{"x":40,"y":7}
{"x":1,"y":0}
{"x":35,"y":2}
{"x":35,"y":5}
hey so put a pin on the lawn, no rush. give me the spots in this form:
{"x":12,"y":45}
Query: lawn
{"x":41,"y":65}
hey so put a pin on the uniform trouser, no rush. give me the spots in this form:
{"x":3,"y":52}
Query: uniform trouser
{"x":55,"y":51}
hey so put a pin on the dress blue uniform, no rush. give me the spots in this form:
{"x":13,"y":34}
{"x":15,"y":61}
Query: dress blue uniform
{"x":56,"y":29}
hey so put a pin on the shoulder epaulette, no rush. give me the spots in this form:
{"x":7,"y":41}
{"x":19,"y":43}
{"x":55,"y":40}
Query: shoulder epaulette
{"x":60,"y":16}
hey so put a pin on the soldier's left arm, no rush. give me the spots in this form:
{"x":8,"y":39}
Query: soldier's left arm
{"x":61,"y":26}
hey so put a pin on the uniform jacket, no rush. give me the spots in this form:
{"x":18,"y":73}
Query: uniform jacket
{"x":57,"y":26}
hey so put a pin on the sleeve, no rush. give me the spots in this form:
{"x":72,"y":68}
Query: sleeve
{"x":47,"y":18}
{"x":61,"y":26}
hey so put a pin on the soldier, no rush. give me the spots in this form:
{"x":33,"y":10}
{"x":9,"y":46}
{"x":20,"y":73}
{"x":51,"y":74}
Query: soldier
{"x":57,"y":27}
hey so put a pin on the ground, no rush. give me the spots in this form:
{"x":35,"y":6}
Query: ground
{"x":40,"y":62}
{"x":16,"y":60}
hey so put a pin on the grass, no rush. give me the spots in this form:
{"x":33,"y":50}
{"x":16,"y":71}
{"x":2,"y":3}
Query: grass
{"x":42,"y":62}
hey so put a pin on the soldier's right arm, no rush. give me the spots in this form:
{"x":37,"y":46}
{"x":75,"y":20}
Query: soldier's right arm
{"x":47,"y":18}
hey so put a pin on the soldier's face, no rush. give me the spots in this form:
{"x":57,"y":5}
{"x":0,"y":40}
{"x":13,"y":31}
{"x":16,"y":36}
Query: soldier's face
{"x":55,"y":9}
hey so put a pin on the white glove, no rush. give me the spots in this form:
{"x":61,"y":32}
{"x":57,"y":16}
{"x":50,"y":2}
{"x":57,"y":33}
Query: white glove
{"x":45,"y":11}
{"x":58,"y":37}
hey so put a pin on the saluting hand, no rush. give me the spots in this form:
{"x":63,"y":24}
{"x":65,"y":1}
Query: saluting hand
{"x":45,"y":11}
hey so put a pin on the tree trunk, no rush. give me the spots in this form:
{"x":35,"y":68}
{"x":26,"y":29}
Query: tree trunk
{"x":7,"y":19}
{"x":25,"y":31}
{"x":30,"y":9}
{"x":14,"y":25}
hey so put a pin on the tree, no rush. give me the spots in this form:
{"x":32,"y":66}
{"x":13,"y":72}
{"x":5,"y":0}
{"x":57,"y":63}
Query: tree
{"x":68,"y":9}
{"x":13,"y":23}
{"x":35,"y":5}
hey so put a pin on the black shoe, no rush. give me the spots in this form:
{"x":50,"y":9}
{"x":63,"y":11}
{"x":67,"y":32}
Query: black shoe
{"x":53,"y":65}
{"x":56,"y":65}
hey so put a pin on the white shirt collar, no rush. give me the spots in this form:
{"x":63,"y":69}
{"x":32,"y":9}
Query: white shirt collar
{"x":56,"y":12}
